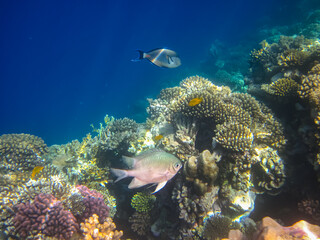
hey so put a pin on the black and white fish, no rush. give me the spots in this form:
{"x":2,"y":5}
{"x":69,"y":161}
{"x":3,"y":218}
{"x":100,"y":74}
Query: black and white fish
{"x":161,"y":57}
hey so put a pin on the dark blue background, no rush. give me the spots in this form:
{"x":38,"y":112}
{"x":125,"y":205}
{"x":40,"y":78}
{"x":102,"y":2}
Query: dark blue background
{"x":66,"y":64}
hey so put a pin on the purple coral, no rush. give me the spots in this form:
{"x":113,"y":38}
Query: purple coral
{"x":45,"y":215}
{"x":94,"y":204}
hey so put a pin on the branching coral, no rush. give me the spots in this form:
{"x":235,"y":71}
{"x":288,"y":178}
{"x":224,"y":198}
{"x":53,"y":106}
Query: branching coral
{"x":234,"y":136}
{"x":310,"y":83}
{"x":283,"y":87}
{"x":140,"y":223}
{"x":21,"y":151}
{"x":289,"y":53}
{"x":93,"y":230}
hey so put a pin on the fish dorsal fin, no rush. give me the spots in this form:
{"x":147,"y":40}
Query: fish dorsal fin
{"x":155,"y":50}
{"x":129,"y":161}
{"x":159,"y":186}
{"x":135,"y":183}
{"x":147,"y":153}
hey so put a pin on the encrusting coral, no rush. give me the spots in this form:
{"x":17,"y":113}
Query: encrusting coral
{"x":92,"y":229}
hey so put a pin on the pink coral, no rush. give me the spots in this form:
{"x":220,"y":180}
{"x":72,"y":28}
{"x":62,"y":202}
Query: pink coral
{"x":94,"y":204}
{"x":45,"y":215}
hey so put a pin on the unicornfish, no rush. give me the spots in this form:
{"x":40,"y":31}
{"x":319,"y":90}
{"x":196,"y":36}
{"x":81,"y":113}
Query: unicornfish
{"x":160,"y":57}
{"x":153,"y":166}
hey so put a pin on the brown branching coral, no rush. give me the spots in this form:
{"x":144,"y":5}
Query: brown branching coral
{"x":93,"y":230}
{"x":289,"y":53}
{"x":310,"y":83}
{"x":283,"y":87}
{"x":140,"y":223}
{"x":21,"y":151}
{"x":234,"y":136}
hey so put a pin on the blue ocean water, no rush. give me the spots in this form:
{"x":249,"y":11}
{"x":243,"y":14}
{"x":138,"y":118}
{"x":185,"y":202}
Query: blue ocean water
{"x":66,"y":64}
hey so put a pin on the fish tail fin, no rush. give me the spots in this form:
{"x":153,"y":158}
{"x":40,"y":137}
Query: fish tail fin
{"x":121,"y":174}
{"x":141,"y":56}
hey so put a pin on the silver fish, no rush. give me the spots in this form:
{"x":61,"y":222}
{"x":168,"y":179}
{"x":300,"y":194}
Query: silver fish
{"x":152,"y":166}
{"x":161,"y":57}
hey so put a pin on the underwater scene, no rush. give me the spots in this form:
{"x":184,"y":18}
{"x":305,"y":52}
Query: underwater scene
{"x":148,"y":120}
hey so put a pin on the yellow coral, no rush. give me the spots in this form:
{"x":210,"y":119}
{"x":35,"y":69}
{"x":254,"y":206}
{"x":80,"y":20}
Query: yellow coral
{"x":282,"y":87}
{"x":234,"y":136}
{"x":21,"y":151}
{"x":310,"y":83}
{"x":92,"y":229}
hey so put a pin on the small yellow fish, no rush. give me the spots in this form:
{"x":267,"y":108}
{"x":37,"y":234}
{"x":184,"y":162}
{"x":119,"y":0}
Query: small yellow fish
{"x":35,"y":171}
{"x":158,"y":137}
{"x":195,"y":101}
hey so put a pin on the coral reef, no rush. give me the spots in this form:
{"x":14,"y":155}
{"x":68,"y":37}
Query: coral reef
{"x":289,"y":53}
{"x":143,"y":202}
{"x":21,"y":151}
{"x":234,"y":136}
{"x":93,"y":230}
{"x":93,"y":203}
{"x":270,"y":229}
{"x":310,"y":207}
{"x":202,"y":171}
{"x":44,"y":216}
{"x":118,"y":135}
{"x":217,"y":227}
{"x":140,"y":223}
{"x":282,"y":87}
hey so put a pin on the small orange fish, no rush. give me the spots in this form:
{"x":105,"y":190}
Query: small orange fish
{"x":195,"y":101}
{"x":35,"y":171}
{"x":158,"y":137}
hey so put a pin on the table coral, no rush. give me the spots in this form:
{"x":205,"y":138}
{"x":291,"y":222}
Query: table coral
{"x":92,"y":229}
{"x":21,"y":151}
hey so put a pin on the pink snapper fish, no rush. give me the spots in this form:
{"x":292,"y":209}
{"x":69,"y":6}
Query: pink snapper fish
{"x":152,"y":166}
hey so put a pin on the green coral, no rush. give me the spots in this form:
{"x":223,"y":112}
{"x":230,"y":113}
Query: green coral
{"x":143,"y":202}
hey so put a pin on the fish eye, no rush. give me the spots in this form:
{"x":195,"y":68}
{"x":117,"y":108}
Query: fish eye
{"x":177,"y":165}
